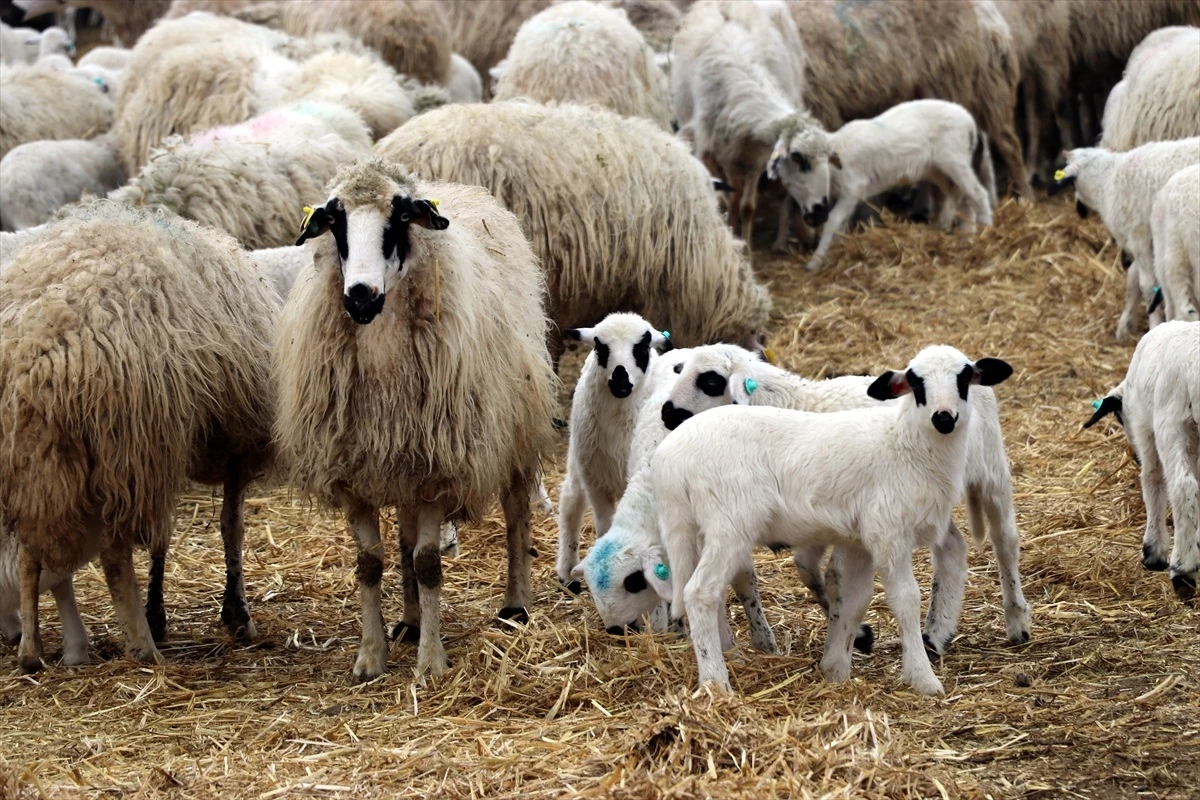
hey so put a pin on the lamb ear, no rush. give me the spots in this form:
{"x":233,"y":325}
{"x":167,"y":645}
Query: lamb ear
{"x":661,"y":341}
{"x":584,"y":335}
{"x":835,"y":160}
{"x":316,"y":223}
{"x":1109,"y":405}
{"x":741,"y":388}
{"x":577,"y":571}
{"x":658,"y":574}
{"x":990,"y":371}
{"x":425,"y":214}
{"x":889,"y":386}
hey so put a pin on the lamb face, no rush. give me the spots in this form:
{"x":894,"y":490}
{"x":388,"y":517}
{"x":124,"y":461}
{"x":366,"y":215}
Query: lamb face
{"x":1082,"y":163}
{"x":626,"y":578}
{"x":622,"y":346}
{"x":802,"y":161}
{"x":704,"y":383}
{"x":370,"y":225}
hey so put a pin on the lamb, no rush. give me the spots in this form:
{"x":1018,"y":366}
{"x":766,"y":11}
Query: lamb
{"x":465,"y":84}
{"x":42,"y":103}
{"x":75,"y":634}
{"x":915,"y":141}
{"x":620,"y":214}
{"x":581,"y":52}
{"x":38,"y":178}
{"x":737,"y":86}
{"x":1175,"y":225}
{"x":386,"y":405}
{"x":736,"y":477}
{"x":483,"y":30}
{"x":1121,"y":187}
{"x":110,"y":58}
{"x":158,"y":392}
{"x":1159,"y":405}
{"x":249,"y":179}
{"x":18,"y":46}
{"x":55,"y":43}
{"x":615,"y":379}
{"x":1159,"y":98}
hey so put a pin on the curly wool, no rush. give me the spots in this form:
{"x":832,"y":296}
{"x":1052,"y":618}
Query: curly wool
{"x":1159,"y":97}
{"x":621,"y":215}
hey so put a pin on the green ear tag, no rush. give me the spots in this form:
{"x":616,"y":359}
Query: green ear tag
{"x":661,"y":572}
{"x":1095,"y":405}
{"x":750,"y":385}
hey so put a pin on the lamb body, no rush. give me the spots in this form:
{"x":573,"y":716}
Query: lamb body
{"x":38,"y":178}
{"x":43,"y":103}
{"x":1175,"y":225}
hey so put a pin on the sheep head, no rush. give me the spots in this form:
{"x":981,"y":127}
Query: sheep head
{"x":940,"y":377}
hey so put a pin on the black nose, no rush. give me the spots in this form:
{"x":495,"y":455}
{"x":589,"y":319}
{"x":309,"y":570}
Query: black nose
{"x":818,"y":213}
{"x":621,"y":630}
{"x":944,"y":421}
{"x":673,"y":417}
{"x":362,"y":303}
{"x":619,"y":383}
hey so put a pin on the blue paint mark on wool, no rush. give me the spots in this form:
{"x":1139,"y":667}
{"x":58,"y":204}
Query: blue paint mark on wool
{"x":601,"y":558}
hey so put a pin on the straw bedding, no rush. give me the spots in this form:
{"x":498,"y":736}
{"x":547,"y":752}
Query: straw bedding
{"x":1101,"y":703}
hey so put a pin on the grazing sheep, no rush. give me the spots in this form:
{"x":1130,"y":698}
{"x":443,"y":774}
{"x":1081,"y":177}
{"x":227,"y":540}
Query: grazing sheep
{"x":616,"y":377}
{"x":111,"y":398}
{"x":465,"y":84}
{"x":385,"y":404}
{"x":42,"y":103}
{"x":737,"y":86}
{"x":1122,"y":187}
{"x":863,"y":58}
{"x":622,"y":217}
{"x":1159,"y":97}
{"x":877,"y":482}
{"x":922,"y":140}
{"x":1175,"y":225}
{"x":38,"y":178}
{"x":581,"y":52}
{"x":1159,"y":405}
{"x":128,"y":19}
{"x":249,"y":179}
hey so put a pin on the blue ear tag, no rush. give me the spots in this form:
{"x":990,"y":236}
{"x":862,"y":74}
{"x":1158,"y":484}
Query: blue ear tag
{"x":1095,"y":405}
{"x":661,"y":572}
{"x":750,"y":385}
{"x":666,"y":334}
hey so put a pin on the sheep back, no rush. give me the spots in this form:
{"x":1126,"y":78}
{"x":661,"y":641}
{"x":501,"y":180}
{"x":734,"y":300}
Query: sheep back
{"x":41,"y":103}
{"x":1161,"y":95}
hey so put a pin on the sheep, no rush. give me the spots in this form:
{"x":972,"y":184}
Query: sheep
{"x":110,"y":58}
{"x":18,"y":46}
{"x":55,"y":43}
{"x":465,"y":84}
{"x":37,"y":178}
{"x":616,"y":376}
{"x":385,"y":405}
{"x":127,"y":20}
{"x":863,"y":58}
{"x":721,"y":374}
{"x":581,"y":52}
{"x":622,"y":217}
{"x":915,"y":141}
{"x":111,"y":398}
{"x":75,"y":634}
{"x":11,"y":242}
{"x":42,"y":103}
{"x":1122,"y":187}
{"x":736,"y":87}
{"x":1159,"y":98}
{"x":878,"y":482}
{"x":483,"y":30}
{"x":1175,"y":225}
{"x":1158,"y":404}
{"x":249,"y":179}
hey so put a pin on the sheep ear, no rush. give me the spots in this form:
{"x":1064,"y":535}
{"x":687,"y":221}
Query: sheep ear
{"x":577,"y":571}
{"x":990,"y":371}
{"x":889,"y":386}
{"x":657,"y":573}
{"x":741,"y":388}
{"x":835,"y":160}
{"x":584,"y":335}
{"x":425,"y":214}
{"x":773,"y":167}
{"x":661,"y":341}
{"x":316,"y":223}
{"x":1109,"y":405}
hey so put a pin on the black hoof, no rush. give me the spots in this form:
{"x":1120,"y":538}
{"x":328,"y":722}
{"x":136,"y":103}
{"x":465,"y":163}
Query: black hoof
{"x":515,"y":614}
{"x":237,"y":622}
{"x":932,"y":648}
{"x":1152,"y":562}
{"x":575,"y":587}
{"x":410,"y":634}
{"x":864,"y":642}
{"x":1185,"y":586}
{"x":156,"y":618}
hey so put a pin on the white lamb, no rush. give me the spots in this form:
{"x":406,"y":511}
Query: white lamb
{"x":1159,"y":405}
{"x":878,"y":483}
{"x":38,"y":178}
{"x":608,"y":394}
{"x":1122,"y":187}
{"x":921,"y":140}
{"x":1175,"y":226}
{"x":113,"y":58}
{"x":18,"y":45}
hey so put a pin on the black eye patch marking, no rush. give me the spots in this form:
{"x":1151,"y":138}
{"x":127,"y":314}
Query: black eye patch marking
{"x":641,"y":352}
{"x":395,"y":233}
{"x":964,"y":380}
{"x":801,"y":162}
{"x":635,"y":582}
{"x":917,"y":384}
{"x":601,"y":351}
{"x":678,"y":368}
{"x":711,"y":383}
{"x":337,"y":226}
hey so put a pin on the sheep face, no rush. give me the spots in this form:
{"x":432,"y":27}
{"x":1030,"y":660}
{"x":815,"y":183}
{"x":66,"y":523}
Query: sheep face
{"x":707,"y":380}
{"x":622,"y":348}
{"x":938,"y":380}
{"x":1079,"y":165}
{"x":371,"y":233}
{"x":802,"y":161}
{"x":626,"y":578}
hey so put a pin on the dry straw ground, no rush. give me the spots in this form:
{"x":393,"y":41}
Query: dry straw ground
{"x":1103,"y":702}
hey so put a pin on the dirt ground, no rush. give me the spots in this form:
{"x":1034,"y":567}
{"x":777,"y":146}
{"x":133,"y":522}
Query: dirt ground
{"x":1103,"y":702}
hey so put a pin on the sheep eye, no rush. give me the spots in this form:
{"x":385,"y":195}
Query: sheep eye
{"x":711,"y":383}
{"x":678,"y":368}
{"x":801,"y":162}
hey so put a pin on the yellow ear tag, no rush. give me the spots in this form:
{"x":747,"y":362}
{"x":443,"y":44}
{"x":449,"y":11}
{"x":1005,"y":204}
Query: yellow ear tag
{"x":1059,"y":175}
{"x":770,"y":356}
{"x":308,"y":215}
{"x":435,"y":202}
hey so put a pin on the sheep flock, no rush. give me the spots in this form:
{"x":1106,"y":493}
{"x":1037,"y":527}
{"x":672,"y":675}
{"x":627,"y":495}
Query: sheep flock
{"x":599,"y":398}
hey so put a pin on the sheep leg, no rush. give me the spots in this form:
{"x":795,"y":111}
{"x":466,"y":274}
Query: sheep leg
{"x":843,"y":209}
{"x":784,"y":229}
{"x":807,"y":559}
{"x":117,"y":562}
{"x":704,"y":600}
{"x":734,"y":207}
{"x":967,"y":186}
{"x":745,"y":588}
{"x":29,"y":651}
{"x":539,"y":497}
{"x":1033,"y":128}
{"x":949,"y":554}
{"x":1154,"y":495}
{"x":904,"y":598}
{"x":571,"y":504}
{"x":75,"y":634}
{"x":1184,"y":492}
{"x":156,"y":610}
{"x":363,"y":521}
{"x":951,"y":200}
{"x":408,"y":629}
{"x":1006,"y":542}
{"x":1004,"y":141}
{"x":853,"y":573}
{"x":234,"y":611}
{"x":749,"y":206}
{"x":518,"y":594}
{"x":727,"y":641}
{"x":1133,"y":301}
{"x":864,"y":639}
{"x":427,"y":563}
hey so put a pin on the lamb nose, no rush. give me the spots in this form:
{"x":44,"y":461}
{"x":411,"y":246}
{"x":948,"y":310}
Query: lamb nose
{"x":360,"y":293}
{"x":944,"y":421}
